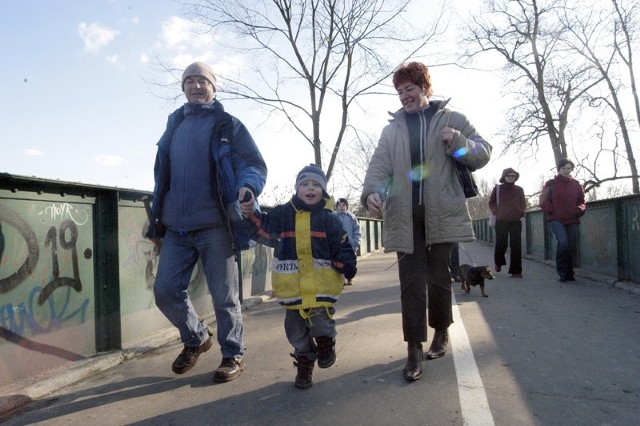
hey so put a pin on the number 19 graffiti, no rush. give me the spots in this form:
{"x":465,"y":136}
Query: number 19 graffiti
{"x":66,"y":238}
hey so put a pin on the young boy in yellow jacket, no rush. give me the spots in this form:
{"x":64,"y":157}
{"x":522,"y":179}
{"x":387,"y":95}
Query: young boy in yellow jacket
{"x":311,"y":254}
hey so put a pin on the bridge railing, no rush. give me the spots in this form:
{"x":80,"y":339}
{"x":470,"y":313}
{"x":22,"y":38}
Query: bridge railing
{"x":76,"y":273}
{"x":608,"y":240}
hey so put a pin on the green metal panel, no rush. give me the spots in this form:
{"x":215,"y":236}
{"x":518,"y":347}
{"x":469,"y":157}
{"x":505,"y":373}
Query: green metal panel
{"x":46,"y":281}
{"x":107,"y":279}
{"x":598,"y":248}
{"x":632,"y":220}
{"x":138,"y":264}
{"x":537,"y":227}
{"x":367,"y":237}
{"x":137,"y":268}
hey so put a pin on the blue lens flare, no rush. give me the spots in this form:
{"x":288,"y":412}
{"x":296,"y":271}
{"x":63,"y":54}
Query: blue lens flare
{"x":460,"y":152}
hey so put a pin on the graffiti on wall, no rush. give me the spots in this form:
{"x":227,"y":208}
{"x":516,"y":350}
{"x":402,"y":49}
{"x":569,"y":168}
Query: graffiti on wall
{"x":137,"y":253}
{"x":139,"y":258}
{"x":41,"y":286}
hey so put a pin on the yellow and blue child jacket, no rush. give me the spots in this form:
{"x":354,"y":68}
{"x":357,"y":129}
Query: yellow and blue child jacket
{"x":311,"y":253}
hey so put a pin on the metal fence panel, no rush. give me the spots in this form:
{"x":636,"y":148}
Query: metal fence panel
{"x":632,"y":220}
{"x":46,"y":282}
{"x":598,"y":251}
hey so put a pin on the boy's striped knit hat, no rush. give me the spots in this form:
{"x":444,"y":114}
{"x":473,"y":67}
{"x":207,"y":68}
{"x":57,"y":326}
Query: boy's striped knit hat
{"x":312,"y":172}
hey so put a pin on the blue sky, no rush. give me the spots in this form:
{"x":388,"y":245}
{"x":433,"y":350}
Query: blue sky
{"x":76,"y":106}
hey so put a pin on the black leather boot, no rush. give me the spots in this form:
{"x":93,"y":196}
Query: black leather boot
{"x":413,"y":368}
{"x":439,"y":344}
{"x":326,"y":351}
{"x":304,"y":378}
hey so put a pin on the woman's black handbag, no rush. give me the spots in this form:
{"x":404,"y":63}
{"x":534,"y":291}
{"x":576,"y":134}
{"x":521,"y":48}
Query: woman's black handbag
{"x":464,"y":174}
{"x":466,"y":180}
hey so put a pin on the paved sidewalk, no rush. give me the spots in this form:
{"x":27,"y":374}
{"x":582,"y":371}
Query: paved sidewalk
{"x":23,"y":392}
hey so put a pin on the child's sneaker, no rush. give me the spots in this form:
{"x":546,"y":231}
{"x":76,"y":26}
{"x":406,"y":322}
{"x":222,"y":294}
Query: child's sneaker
{"x":326,"y":351}
{"x":304,"y":378}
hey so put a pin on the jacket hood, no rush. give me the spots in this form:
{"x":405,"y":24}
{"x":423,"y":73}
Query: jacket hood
{"x":508,"y":171}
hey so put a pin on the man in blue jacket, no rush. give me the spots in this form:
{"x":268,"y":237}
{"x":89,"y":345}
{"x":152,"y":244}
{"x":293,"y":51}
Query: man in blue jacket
{"x":206,"y":165}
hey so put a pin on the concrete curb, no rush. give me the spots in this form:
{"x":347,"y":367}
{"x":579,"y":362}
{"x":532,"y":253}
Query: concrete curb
{"x":22,"y":392}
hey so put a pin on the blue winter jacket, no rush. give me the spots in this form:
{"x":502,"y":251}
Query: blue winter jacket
{"x":237,"y":163}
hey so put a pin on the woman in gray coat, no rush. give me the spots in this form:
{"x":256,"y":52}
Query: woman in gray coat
{"x":413,"y":173}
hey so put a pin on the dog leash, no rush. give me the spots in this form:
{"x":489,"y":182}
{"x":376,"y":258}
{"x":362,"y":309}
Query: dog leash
{"x":460,"y":244}
{"x":467,"y":253}
{"x":395,"y":263}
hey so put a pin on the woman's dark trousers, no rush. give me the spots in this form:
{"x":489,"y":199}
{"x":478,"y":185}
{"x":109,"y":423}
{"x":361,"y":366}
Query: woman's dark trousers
{"x":424,"y":275}
{"x":511,"y":233}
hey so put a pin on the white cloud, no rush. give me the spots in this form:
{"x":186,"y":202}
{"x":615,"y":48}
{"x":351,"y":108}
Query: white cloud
{"x":33,"y":152}
{"x":95,"y":36}
{"x":109,"y":160}
{"x":113,"y":59}
{"x":182,"y":34}
{"x":175,"y":32}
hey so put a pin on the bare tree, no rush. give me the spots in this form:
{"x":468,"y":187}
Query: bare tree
{"x":315,"y":57}
{"x":527,"y":34}
{"x":353,"y":164}
{"x":595,"y":36}
{"x":626,"y":33}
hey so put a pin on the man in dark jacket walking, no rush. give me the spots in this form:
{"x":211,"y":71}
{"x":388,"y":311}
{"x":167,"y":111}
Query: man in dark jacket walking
{"x":206,"y":166}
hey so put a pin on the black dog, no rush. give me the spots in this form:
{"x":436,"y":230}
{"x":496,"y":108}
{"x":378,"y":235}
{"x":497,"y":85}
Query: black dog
{"x":474,"y":275}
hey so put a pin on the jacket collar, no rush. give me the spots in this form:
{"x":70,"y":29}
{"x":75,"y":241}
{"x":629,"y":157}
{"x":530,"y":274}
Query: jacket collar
{"x":196,"y":108}
{"x":439,"y":105}
{"x":298,"y":204}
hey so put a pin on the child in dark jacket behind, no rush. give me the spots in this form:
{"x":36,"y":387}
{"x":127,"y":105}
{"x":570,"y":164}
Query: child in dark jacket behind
{"x":311,"y":254}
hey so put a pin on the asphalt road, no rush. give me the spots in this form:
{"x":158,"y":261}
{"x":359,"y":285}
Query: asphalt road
{"x":535,"y":352}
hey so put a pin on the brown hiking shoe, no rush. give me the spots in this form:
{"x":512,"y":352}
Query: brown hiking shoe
{"x":229,"y":369}
{"x":189,"y":356}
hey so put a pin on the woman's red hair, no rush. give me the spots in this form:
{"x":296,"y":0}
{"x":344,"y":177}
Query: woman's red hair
{"x":413,"y":72}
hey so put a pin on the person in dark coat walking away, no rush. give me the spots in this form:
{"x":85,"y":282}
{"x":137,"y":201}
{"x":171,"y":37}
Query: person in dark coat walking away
{"x":508,"y":204}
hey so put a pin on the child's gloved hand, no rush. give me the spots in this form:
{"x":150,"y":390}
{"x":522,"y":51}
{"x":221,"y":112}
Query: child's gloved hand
{"x":349,"y":270}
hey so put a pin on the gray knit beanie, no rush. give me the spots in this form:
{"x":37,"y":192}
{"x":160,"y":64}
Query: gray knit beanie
{"x":312,"y":172}
{"x":342,"y":200}
{"x":199,"y":69}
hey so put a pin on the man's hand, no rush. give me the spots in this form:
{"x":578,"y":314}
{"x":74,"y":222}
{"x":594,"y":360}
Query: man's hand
{"x":247,"y":201}
{"x":157,"y":245}
{"x":374,"y":203}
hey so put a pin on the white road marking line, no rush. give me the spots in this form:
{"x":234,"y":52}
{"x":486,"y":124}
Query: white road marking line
{"x":473,"y":398}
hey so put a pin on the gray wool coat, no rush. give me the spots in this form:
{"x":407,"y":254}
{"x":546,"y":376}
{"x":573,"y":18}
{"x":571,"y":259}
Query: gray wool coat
{"x":447,"y":218}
